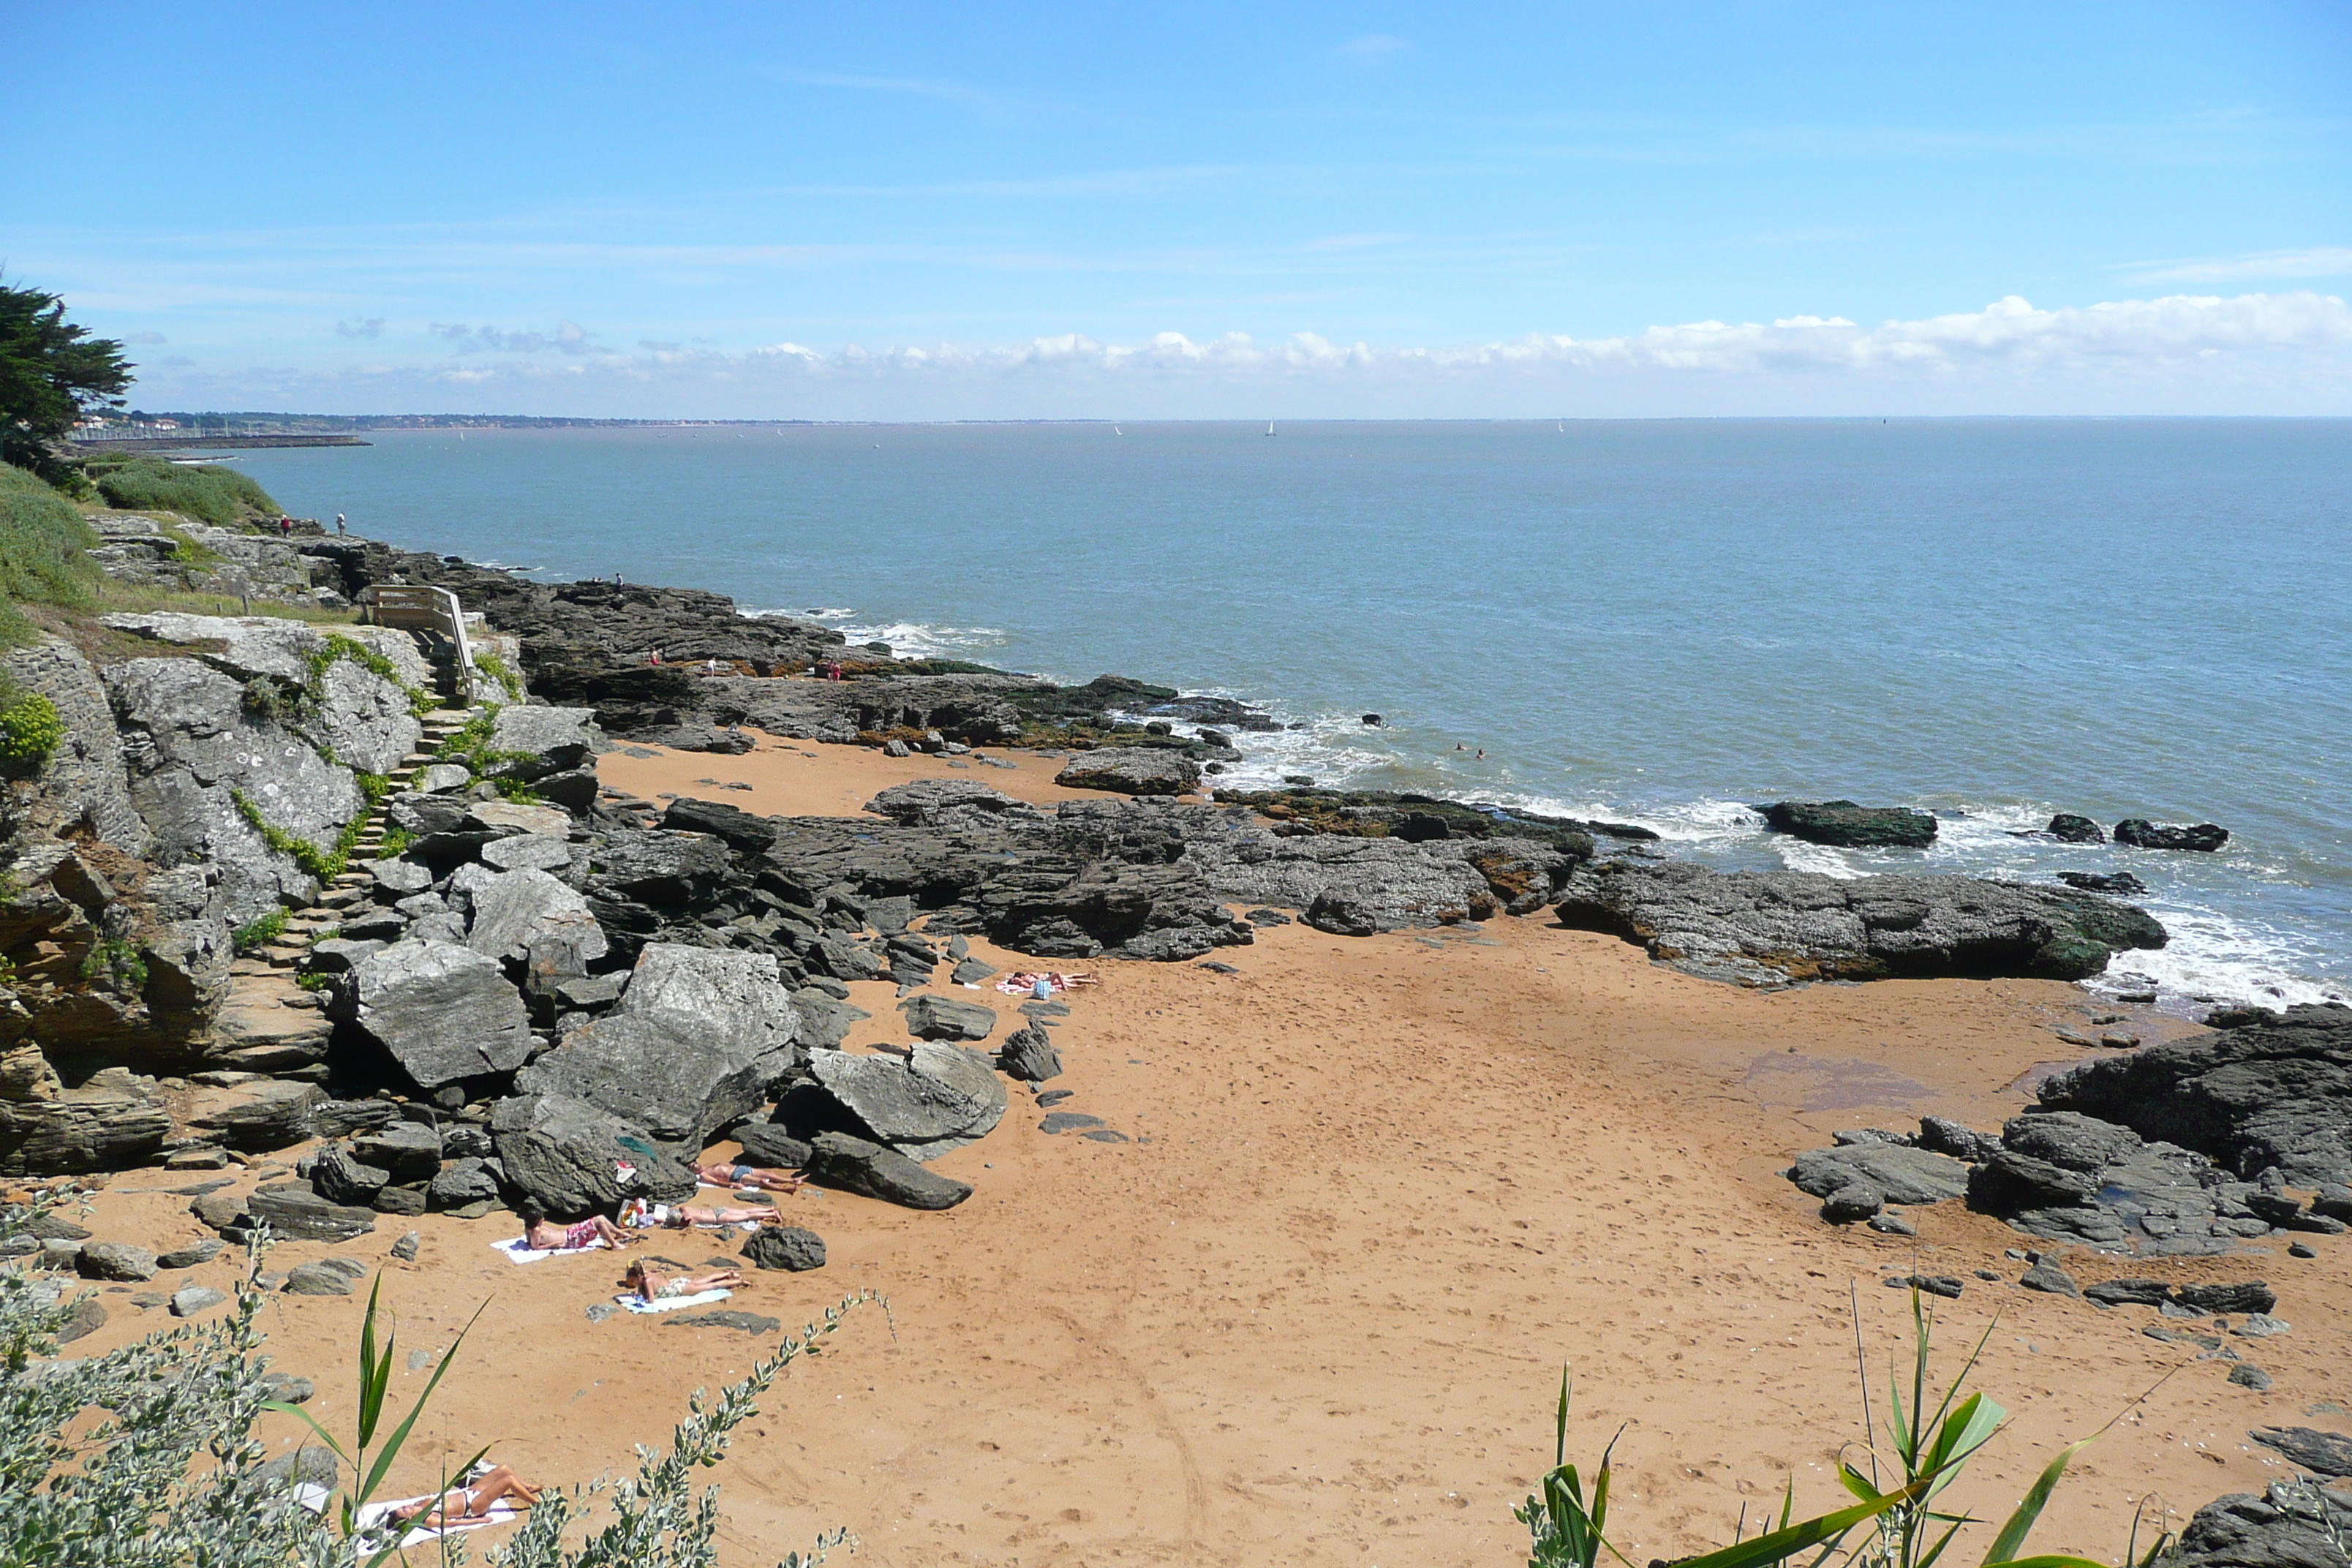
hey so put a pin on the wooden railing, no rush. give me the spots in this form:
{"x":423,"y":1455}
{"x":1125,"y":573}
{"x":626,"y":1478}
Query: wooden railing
{"x":421,"y":607}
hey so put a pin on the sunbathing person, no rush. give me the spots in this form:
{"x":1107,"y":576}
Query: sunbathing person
{"x":544,"y":1235}
{"x":473,"y":1500}
{"x":719,"y":1173}
{"x":641,"y":1213}
{"x":652,"y":1287}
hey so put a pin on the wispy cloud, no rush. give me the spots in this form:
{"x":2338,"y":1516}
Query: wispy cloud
{"x":2314,"y":261}
{"x":146,"y":339}
{"x":569,"y":338}
{"x":1374,"y":46}
{"x":361,"y":327}
{"x":953,"y":92}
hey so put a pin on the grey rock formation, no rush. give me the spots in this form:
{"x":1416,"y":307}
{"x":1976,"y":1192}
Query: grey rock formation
{"x":561,"y":735}
{"x":2291,"y":1524}
{"x":1845,"y":824}
{"x":2069,"y":828}
{"x":870,"y":1170}
{"x":572,"y":1156}
{"x":83,"y":779}
{"x":824,"y":1022}
{"x":461,"y":1183}
{"x":443,"y":1013}
{"x":1864,"y":1177}
{"x":1131,"y":769}
{"x":516,"y":911}
{"x":114,"y":1260}
{"x":695,"y":1043}
{"x":189,"y":741}
{"x":2069,"y":1177}
{"x":947,"y":1018}
{"x":190,"y":1256}
{"x":785,"y":1246}
{"x":342,"y":1178}
{"x":298,"y":1213}
{"x":316,"y":1280}
{"x":2262,"y":1095}
{"x":1028,"y":1055}
{"x":254,"y":1117}
{"x":2322,"y":1453}
{"x":196,"y":1298}
{"x":1775,"y":928}
{"x":955,"y":804}
{"x":410,"y":1151}
{"x":2048,"y":1277}
{"x":531,"y":851}
{"x":111,"y":1121}
{"x":938,"y":1099}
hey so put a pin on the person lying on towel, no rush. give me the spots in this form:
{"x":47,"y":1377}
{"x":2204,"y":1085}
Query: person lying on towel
{"x":469,"y":1503}
{"x":652,"y":1287}
{"x":720,"y":1174}
{"x":541,"y":1233}
{"x":642,"y":1214}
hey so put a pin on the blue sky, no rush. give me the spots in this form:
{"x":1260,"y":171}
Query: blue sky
{"x":1196,"y":210}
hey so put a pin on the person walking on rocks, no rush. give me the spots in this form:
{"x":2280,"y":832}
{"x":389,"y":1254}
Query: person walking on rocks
{"x":340,"y":529}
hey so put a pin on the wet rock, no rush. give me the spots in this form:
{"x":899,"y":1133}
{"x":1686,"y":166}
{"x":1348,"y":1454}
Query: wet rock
{"x":1028,"y":1055}
{"x":444,"y":1014}
{"x":785,"y":1246}
{"x":2121,"y":883}
{"x":2069,"y":828}
{"x":870,"y":1170}
{"x":938,"y":1099}
{"x":114,"y":1260}
{"x":1845,"y":824}
{"x":577,"y":1158}
{"x":1131,"y":769}
{"x":2251,"y":1097}
{"x":695,"y":1043}
{"x":1769,"y":928}
{"x":2141,"y":834}
{"x":947,"y":1018}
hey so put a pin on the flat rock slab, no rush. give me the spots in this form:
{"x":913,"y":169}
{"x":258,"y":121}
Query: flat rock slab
{"x":947,"y":1018}
{"x":2323,"y":1453}
{"x":503,"y":816}
{"x":114,"y":1260}
{"x":785,"y":1246}
{"x":190,"y":1256}
{"x":316,"y":1280}
{"x":871,"y":1170}
{"x":1131,"y":769}
{"x":1845,"y":824}
{"x":747,"y":1322}
{"x":1068,"y":1122}
{"x":196,"y":1298}
{"x":298,"y":1213}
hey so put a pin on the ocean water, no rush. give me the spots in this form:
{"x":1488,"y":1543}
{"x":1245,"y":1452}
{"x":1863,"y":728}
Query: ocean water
{"x":1655,"y":621}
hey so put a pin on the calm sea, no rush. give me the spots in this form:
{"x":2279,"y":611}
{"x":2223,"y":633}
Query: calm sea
{"x":1657,"y":621}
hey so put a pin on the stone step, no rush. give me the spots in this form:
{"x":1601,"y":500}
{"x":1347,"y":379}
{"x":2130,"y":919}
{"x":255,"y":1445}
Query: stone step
{"x":284,"y":957}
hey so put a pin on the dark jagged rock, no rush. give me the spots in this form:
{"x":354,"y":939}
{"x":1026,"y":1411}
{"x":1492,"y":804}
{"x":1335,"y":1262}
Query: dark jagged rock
{"x":298,"y":1213}
{"x":1942,"y":1135}
{"x":738,"y":828}
{"x":1380,"y":814}
{"x":2245,"y":1295}
{"x":767,"y":1144}
{"x":2069,"y":1177}
{"x":1028,"y":1055}
{"x":1854,"y":1174}
{"x":2253,"y":1097}
{"x":2141,"y":834}
{"x":2122,"y":883}
{"x":2288,"y":1525}
{"x":870,"y":1170}
{"x":1845,"y":824}
{"x":2048,"y":1277}
{"x":342,"y":1178}
{"x":2068,"y":828}
{"x":2128,"y":1293}
{"x":1775,"y":928}
{"x":785,"y":1246}
{"x":410,"y":1151}
{"x":2323,"y":1453}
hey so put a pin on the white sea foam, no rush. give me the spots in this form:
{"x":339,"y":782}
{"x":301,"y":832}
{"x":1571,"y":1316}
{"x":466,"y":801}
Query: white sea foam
{"x":917,"y":639}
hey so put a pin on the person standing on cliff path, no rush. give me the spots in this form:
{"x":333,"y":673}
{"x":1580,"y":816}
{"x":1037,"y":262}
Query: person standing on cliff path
{"x":340,"y":529}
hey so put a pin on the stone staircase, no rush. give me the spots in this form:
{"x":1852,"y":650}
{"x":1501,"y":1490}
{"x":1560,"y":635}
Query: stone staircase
{"x":305,"y":926}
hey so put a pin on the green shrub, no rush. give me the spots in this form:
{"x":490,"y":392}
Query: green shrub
{"x":116,"y":959}
{"x":260,"y":932}
{"x":141,"y":482}
{"x":494,"y":667}
{"x":30,"y":728}
{"x":42,"y":560}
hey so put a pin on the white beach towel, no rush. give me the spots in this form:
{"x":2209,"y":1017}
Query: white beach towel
{"x":672,"y":1303}
{"x":520,"y":1251}
{"x":373,"y":1516}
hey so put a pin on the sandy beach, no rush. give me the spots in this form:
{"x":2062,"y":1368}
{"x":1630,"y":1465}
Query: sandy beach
{"x":1367,"y":1198}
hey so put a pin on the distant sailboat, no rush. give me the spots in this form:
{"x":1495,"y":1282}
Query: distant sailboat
{"x":1269,"y":426}
{"x":1117,"y":431}
{"x":1563,"y":427}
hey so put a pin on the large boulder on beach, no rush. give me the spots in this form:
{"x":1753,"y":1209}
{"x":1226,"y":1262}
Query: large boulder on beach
{"x":2068,"y":1177}
{"x":1769,"y":928}
{"x":2277,"y":1093}
{"x":936,"y":1098}
{"x":934,"y":1018}
{"x":852,"y":1164}
{"x":445,"y":1013}
{"x":1848,"y":826}
{"x":111,"y":1121}
{"x":522,"y":913}
{"x":1887,"y":1173}
{"x":1133,"y":770}
{"x":695,"y":1043}
{"x":2290,"y":1524}
{"x":963,"y":804}
{"x":2141,"y":834}
{"x":555,"y":738}
{"x":576,"y":1159}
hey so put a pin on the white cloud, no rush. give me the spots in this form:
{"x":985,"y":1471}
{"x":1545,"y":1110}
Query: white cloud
{"x":2314,"y":261}
{"x":2277,"y":353}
